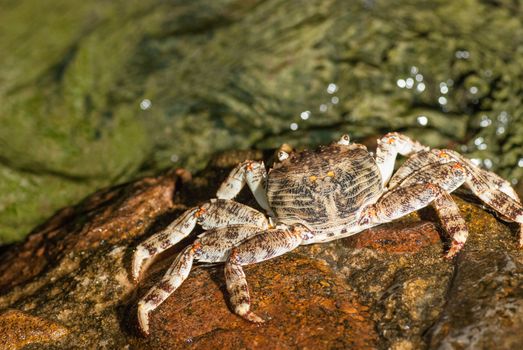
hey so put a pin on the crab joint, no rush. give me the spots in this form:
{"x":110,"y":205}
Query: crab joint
{"x":330,"y":173}
{"x":249,"y":166}
{"x":457,"y":166}
{"x":200,"y":212}
{"x":443,"y":154}
{"x":197,"y":247}
{"x":391,"y":140}
{"x":313,"y":178}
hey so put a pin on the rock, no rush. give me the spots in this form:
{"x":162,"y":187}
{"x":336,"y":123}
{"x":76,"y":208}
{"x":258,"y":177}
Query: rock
{"x":19,"y":329}
{"x":388,"y":287}
{"x":118,"y":89}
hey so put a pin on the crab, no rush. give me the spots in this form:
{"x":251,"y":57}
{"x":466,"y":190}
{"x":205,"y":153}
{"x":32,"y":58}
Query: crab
{"x":314,"y":197}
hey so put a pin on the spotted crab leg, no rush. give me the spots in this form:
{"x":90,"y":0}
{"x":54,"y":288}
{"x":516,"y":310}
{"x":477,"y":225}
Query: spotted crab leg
{"x":389,"y":146}
{"x":252,"y":173}
{"x":212,"y":246}
{"x":428,"y":187}
{"x":416,"y":163}
{"x":213,"y":214}
{"x":264,"y":246}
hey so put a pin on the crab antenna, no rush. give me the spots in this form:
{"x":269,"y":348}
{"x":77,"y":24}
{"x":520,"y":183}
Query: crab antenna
{"x":344,"y":140}
{"x":282,"y":155}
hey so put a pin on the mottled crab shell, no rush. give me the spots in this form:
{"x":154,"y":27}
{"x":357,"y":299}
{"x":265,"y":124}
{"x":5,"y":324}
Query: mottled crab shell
{"x":324,"y":189}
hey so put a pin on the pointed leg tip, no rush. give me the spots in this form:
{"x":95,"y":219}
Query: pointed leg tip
{"x":252,"y":317}
{"x":143,"y":320}
{"x":455,"y":248}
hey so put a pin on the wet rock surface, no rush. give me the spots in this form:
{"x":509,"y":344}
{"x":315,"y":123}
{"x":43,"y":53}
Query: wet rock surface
{"x":68,"y":285}
{"x":94,"y":93}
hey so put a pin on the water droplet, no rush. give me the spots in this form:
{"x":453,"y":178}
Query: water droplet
{"x":520,"y":162}
{"x":419,"y":77}
{"x":500,"y":130}
{"x":485,"y":121}
{"x":332,"y":88}
{"x":145,"y":104}
{"x":514,"y":181}
{"x":420,"y":87}
{"x":409,"y":83}
{"x":478,"y":141}
{"x":462,"y":54}
{"x":423,"y":120}
{"x":401,"y":83}
{"x":473,"y":90}
{"x":294,"y":126}
{"x":503,"y":117}
{"x":323,"y":108}
{"x":335,"y":100}
{"x":488,"y":163}
{"x":443,"y":88}
{"x":305,"y":115}
{"x":482,"y":147}
{"x":174,"y":158}
{"x":442,"y":100}
{"x":475,"y":161}
{"x":413,"y":70}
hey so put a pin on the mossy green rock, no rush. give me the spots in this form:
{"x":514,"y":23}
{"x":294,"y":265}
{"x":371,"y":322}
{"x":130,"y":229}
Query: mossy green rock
{"x":94,"y":93}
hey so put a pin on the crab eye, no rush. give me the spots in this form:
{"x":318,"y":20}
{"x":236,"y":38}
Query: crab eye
{"x":282,"y":155}
{"x":344,"y":140}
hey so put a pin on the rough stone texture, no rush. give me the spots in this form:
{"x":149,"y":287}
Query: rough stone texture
{"x":388,"y":287}
{"x":19,"y":329}
{"x":231,"y":74}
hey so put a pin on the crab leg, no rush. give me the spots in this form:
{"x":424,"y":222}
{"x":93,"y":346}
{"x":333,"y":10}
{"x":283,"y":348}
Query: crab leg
{"x":212,"y":246}
{"x":388,"y":148}
{"x":432,"y":185}
{"x":251,"y":173}
{"x":264,"y":246}
{"x":416,"y":162}
{"x":213,"y":214}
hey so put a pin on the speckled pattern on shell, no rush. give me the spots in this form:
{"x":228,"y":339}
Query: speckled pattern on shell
{"x":324,"y":189}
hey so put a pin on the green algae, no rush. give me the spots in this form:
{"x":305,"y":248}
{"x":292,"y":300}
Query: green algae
{"x":234,"y":75}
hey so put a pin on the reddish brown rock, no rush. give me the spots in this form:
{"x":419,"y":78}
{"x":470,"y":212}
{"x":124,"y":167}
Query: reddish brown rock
{"x":305,"y":303}
{"x":108,"y":216}
{"x":19,"y":329}
{"x":397,"y":237}
{"x":387,"y":287}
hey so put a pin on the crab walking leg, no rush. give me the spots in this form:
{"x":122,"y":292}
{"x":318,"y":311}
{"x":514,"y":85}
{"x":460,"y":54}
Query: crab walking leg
{"x":491,"y":179}
{"x":417,"y":162}
{"x":452,"y":222}
{"x":213,"y":214}
{"x":388,"y":148}
{"x":404,"y":200}
{"x":157,"y":243}
{"x":266,"y":245}
{"x":510,"y":209}
{"x":212,"y":246}
{"x":254,"y":175}
{"x":173,"y":278}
